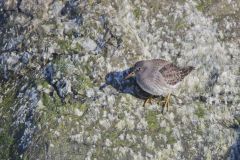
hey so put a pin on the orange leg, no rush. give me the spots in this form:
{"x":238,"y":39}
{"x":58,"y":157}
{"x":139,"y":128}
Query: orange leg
{"x":166,"y":101}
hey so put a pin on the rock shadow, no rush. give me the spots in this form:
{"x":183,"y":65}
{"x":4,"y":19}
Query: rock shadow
{"x":233,"y":152}
{"x":129,"y":86}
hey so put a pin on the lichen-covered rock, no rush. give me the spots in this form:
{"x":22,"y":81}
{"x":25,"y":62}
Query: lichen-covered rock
{"x":63,"y":93}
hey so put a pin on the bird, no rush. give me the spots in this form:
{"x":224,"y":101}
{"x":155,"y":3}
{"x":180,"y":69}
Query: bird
{"x":158,"y":77}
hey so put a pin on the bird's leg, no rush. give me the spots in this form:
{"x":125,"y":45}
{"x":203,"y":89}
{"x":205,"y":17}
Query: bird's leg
{"x":166,"y":101}
{"x":149,"y":99}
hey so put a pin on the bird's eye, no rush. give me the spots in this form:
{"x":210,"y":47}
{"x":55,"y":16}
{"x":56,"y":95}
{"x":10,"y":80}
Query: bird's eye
{"x":138,"y":69}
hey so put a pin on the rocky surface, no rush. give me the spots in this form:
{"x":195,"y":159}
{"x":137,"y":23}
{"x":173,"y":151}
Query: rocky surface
{"x":62,"y":93}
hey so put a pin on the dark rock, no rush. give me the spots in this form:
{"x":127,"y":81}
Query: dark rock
{"x":3,"y":68}
{"x":60,"y":87}
{"x":49,"y":73}
{"x":25,"y":58}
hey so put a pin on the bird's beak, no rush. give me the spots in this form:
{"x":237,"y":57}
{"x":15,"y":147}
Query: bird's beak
{"x":132,"y":74}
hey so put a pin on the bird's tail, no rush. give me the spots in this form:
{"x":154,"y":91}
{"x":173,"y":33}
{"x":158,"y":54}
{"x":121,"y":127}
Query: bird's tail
{"x":186,"y":70}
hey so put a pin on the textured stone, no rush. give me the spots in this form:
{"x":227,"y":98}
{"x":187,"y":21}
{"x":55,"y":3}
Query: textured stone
{"x":63,"y":96}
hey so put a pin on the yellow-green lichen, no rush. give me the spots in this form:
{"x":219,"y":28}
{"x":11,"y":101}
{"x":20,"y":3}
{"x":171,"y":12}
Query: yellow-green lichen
{"x":169,"y":133}
{"x":78,"y":47}
{"x":83,"y":107}
{"x":91,"y":2}
{"x":152,"y":121}
{"x":45,"y":84}
{"x":66,"y":46}
{"x":46,"y":100}
{"x":203,"y":4}
{"x":52,"y":103}
{"x":112,"y":135}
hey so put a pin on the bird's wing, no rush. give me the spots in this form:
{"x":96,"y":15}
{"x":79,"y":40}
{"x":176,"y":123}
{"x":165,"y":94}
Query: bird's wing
{"x":173,"y":74}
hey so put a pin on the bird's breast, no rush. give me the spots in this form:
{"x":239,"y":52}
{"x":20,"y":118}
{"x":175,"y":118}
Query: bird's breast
{"x":150,"y":86}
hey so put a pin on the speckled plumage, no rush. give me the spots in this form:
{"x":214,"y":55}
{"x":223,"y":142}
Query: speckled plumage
{"x":159,"y":77}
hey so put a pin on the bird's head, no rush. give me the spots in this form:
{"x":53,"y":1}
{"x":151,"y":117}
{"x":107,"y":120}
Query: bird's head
{"x":137,"y":69}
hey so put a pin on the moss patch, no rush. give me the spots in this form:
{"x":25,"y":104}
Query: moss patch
{"x":83,"y":83}
{"x":56,"y":117}
{"x":48,"y":101}
{"x":67,"y":47}
{"x":6,"y":138}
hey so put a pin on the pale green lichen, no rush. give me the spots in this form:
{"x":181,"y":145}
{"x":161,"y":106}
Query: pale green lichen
{"x":152,"y":121}
{"x":137,"y":12}
{"x":168,"y":131}
{"x":61,"y":65}
{"x":199,"y":130}
{"x":83,"y":107}
{"x":65,"y":45}
{"x":43,"y":83}
{"x":170,"y":138}
{"x":112,"y":135}
{"x":70,"y":33}
{"x":181,"y":25}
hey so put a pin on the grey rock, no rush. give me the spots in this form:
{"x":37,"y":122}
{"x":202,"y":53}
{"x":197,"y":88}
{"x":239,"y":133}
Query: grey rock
{"x":62,"y":90}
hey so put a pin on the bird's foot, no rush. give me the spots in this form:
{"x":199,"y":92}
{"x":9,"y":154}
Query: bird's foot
{"x":166,"y":102}
{"x":148,"y":100}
